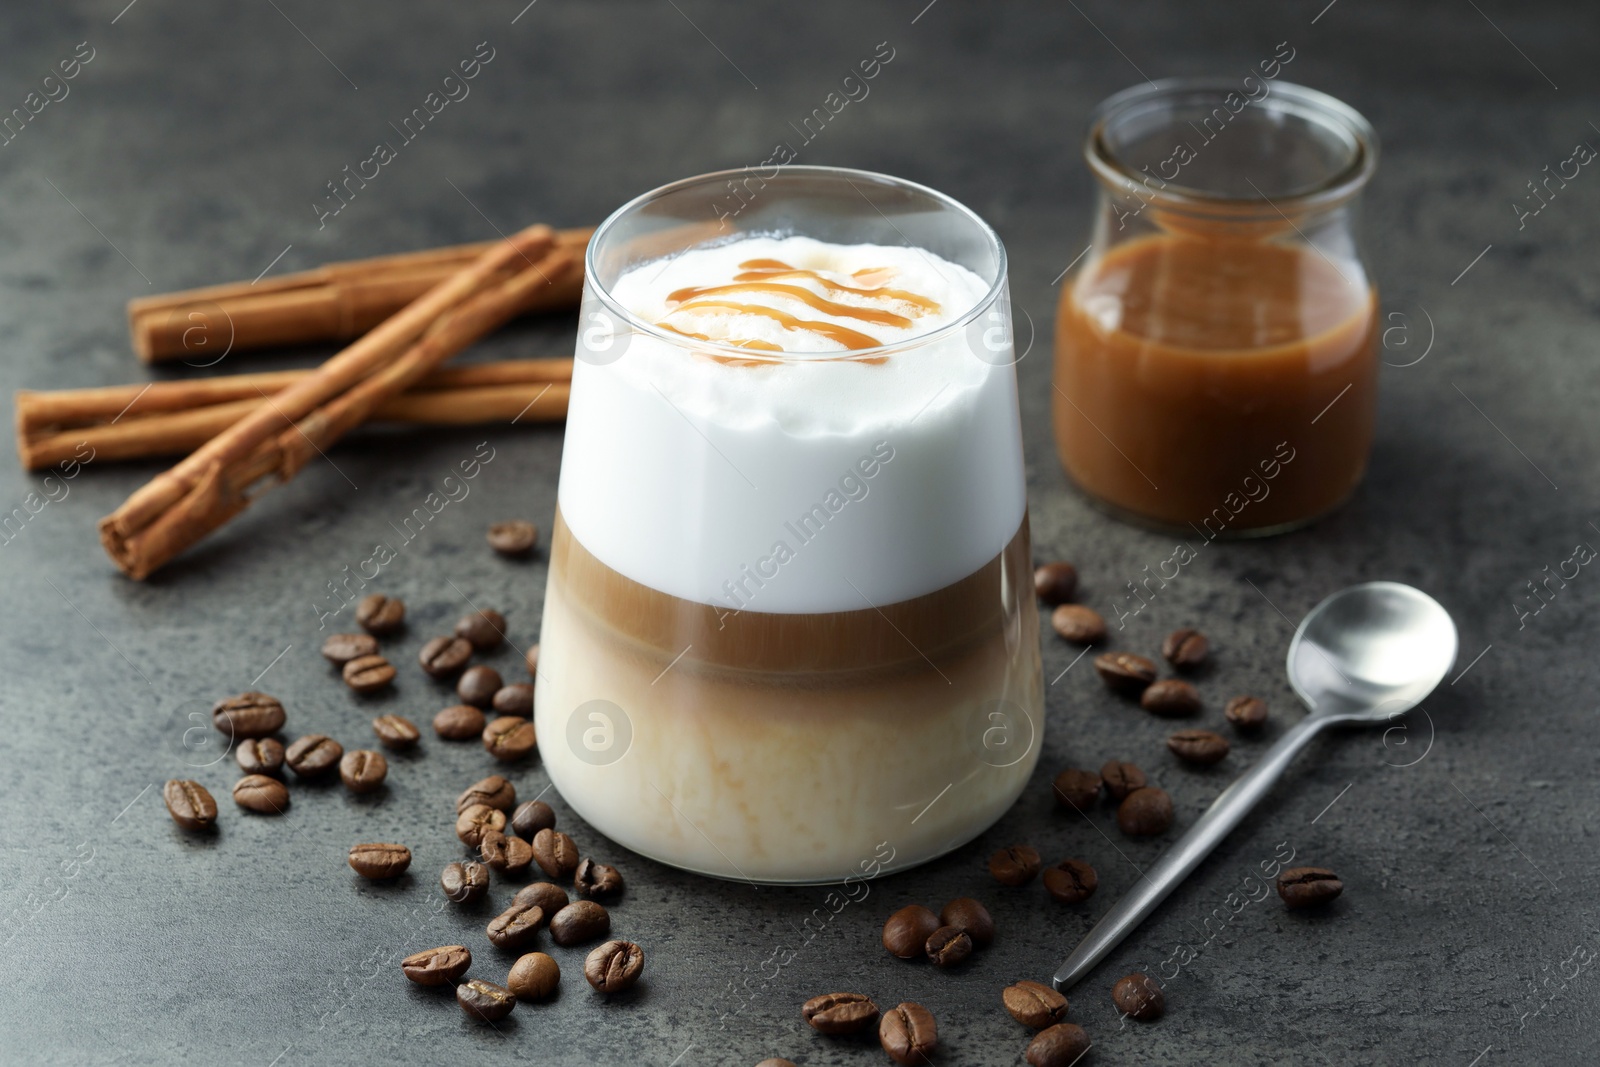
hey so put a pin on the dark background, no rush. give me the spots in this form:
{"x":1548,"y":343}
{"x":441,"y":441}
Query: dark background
{"x":190,"y":151}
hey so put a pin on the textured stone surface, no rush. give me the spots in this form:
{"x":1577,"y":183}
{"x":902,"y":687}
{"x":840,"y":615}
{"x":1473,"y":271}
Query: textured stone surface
{"x":196,"y":142}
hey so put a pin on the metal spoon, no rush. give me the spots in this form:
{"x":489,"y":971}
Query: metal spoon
{"x":1364,"y":655}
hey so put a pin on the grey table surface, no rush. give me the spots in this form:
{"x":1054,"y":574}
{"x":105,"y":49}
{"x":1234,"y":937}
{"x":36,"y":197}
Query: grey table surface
{"x":192,"y":148}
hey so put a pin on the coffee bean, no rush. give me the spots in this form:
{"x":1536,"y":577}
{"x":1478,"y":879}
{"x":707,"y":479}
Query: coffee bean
{"x":773,"y":1061}
{"x":1121,"y":778}
{"x":614,"y":966}
{"x":969,"y":915}
{"x":313,"y":755}
{"x":363,"y":770}
{"x":509,"y":855}
{"x":1185,"y":649}
{"x":248,"y":715}
{"x":534,"y":977}
{"x":444,"y":656}
{"x":1060,"y":1046}
{"x":531,"y":659}
{"x":464,"y":882}
{"x":580,"y":921}
{"x":1145,"y":812}
{"x":494,"y":791}
{"x":509,"y":738}
{"x":552,"y":898}
{"x":1055,"y":583}
{"x":368,"y":674}
{"x":342,"y":648}
{"x":596,"y":881}
{"x":259,"y":755}
{"x":478,"y":685}
{"x":1171,"y":698}
{"x":189,"y":804}
{"x":513,"y":699}
{"x":1034,"y":1004}
{"x":836,"y":1014}
{"x":483,"y":630}
{"x":516,"y":927}
{"x":260,"y":794}
{"x":1303,"y":887}
{"x":380,"y":860}
{"x":380,"y":615}
{"x":908,"y":1033}
{"x":1200,"y":747}
{"x":555,"y":853}
{"x":513,"y":538}
{"x":1077,"y":789}
{"x":1078,"y":624}
{"x":476,"y":820}
{"x":395,"y":731}
{"x":485,"y":1000}
{"x":437,"y":966}
{"x":1014,"y":865}
{"x":1071,"y":881}
{"x":1248,"y":714}
{"x":532,"y":816}
{"x":906,"y":932}
{"x":948,"y":946}
{"x":1123,"y":672}
{"x":1139,"y":997}
{"x":461,"y":722}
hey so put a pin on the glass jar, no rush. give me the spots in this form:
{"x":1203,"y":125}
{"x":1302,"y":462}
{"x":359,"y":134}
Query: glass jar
{"x":1216,"y":354}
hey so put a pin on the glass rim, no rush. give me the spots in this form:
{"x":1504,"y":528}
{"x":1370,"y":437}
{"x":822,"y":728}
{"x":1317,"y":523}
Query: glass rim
{"x":1337,"y":188}
{"x":950,"y":203}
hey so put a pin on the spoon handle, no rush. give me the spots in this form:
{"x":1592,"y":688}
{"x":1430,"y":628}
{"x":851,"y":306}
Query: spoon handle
{"x":1182,"y":858}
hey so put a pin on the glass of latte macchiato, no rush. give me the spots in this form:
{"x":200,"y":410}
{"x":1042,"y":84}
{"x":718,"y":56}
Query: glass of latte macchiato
{"x":789,"y":633}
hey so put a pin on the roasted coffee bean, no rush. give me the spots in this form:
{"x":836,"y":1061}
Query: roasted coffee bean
{"x":531,"y":659}
{"x":1077,"y":789}
{"x":1034,"y":1004}
{"x":1185,"y":649}
{"x":444,"y":656}
{"x":513,"y":538}
{"x":534,"y":977}
{"x":342,"y":648}
{"x":483,"y":630}
{"x":259,"y":755}
{"x":485,"y":1000}
{"x":969,"y":915}
{"x":1302,"y":887}
{"x":478,"y":685}
{"x":516,"y":927}
{"x":513,"y":699}
{"x":1171,"y":698}
{"x":1060,"y":1046}
{"x":948,"y":946}
{"x":1055,"y":583}
{"x":1071,"y":881}
{"x":908,"y":1033}
{"x":1248,"y":714}
{"x":773,"y":1061}
{"x":395,"y":731}
{"x":509,"y":855}
{"x":1200,"y":747}
{"x":532,"y":816}
{"x":363,"y":770}
{"x":1139,"y":997}
{"x":380,"y":615}
{"x":1078,"y":624}
{"x":509,"y":738}
{"x":464,"y":882}
{"x":368,"y":674}
{"x":614,"y":966}
{"x":552,"y":898}
{"x":840,"y":1013}
{"x":1121,"y":778}
{"x":476,"y":820}
{"x":580,"y":921}
{"x":906,"y":932}
{"x":248,"y":715}
{"x":1145,"y":812}
{"x":260,"y":794}
{"x":189,"y":804}
{"x":555,"y":853}
{"x":436,"y":966}
{"x":313,"y":755}
{"x":380,"y":860}
{"x":494,"y":791}
{"x":461,"y":722}
{"x":1015,"y":864}
{"x":1123,"y":672}
{"x":596,"y":881}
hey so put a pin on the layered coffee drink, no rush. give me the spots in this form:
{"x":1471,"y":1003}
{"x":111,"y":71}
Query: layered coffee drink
{"x":789,"y":633}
